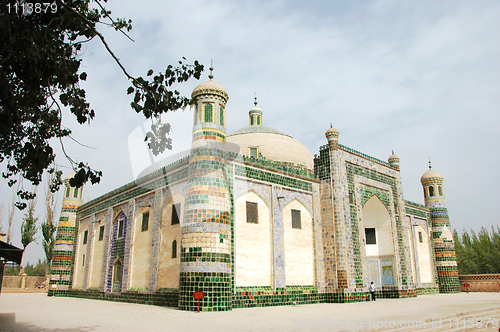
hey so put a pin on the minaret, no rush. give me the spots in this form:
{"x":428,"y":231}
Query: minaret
{"x":63,"y":258}
{"x":255,"y":114}
{"x":206,"y":263}
{"x":394,"y":160}
{"x":442,"y":235}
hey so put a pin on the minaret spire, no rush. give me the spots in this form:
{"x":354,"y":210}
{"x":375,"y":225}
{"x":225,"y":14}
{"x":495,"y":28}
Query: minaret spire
{"x":211,"y":76}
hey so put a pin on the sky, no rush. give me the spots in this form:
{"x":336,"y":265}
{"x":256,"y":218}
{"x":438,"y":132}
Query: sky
{"x":421,"y":78}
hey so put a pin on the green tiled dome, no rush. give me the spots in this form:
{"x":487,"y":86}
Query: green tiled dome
{"x":257,"y":129}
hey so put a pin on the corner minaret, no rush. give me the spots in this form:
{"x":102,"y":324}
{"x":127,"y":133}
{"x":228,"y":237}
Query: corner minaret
{"x":394,"y":160}
{"x":206,"y":251}
{"x":64,"y":248}
{"x":442,"y":235}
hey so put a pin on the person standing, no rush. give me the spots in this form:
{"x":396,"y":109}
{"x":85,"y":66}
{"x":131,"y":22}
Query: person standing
{"x":372,"y":290}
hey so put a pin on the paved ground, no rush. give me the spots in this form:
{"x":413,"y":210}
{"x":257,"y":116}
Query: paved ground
{"x":37,"y":312}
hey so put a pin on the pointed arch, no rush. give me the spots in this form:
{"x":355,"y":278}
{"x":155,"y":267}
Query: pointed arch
{"x":117,"y":275}
{"x":170,"y":232}
{"x":298,"y":244}
{"x":140,"y":253}
{"x":252,"y":241}
{"x":377,"y":242}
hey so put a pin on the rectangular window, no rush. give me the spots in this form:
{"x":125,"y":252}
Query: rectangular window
{"x":145,"y":222}
{"x":253,"y":152}
{"x":176,"y":211}
{"x":101,"y":233}
{"x":252,"y":213}
{"x":209,"y":113}
{"x":420,"y":237}
{"x":85,"y":236}
{"x":120,"y":227}
{"x":83,"y":260}
{"x":351,"y":198}
{"x":370,"y":236}
{"x":296,"y":219}
{"x":221,"y":116}
{"x":75,"y":192}
{"x":174,"y":249}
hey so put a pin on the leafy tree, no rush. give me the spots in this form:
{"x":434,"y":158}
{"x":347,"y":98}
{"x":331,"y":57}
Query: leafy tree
{"x":40,"y":74}
{"x":37,"y":270}
{"x":29,"y":227}
{"x":49,"y":227}
{"x":478,"y":254}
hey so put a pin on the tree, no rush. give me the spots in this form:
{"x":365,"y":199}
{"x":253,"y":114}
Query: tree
{"x":478,"y":254}
{"x":1,"y":217}
{"x":40,"y":74}
{"x":11,"y":213}
{"x":49,"y":227}
{"x":29,"y":227}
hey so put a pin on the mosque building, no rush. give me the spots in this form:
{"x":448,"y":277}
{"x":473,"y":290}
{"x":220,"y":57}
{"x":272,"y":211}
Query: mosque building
{"x":252,"y":218}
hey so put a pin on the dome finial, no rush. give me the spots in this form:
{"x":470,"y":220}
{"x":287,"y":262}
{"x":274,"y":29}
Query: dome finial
{"x":210,"y":76}
{"x":255,"y":98}
{"x":430,"y":166}
{"x":393,"y":151}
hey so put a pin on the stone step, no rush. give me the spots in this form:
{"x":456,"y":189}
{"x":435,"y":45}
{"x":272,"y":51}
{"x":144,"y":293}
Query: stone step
{"x":449,"y":322}
{"x":493,"y":322}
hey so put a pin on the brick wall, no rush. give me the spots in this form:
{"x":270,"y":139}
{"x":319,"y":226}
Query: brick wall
{"x":480,"y":282}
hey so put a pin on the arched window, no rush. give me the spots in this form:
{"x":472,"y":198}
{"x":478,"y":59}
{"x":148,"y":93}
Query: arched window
{"x":209,"y":113}
{"x":251,"y":120}
{"x":221,"y":116}
{"x":440,"y":191}
{"x":67,"y":192}
{"x":75,"y":192}
{"x":174,"y":249}
{"x":431,"y":191}
{"x":258,"y":120}
{"x":425,"y":193}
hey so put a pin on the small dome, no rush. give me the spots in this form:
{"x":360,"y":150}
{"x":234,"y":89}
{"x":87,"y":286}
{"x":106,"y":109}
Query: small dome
{"x":430,"y":174}
{"x":210,"y":87}
{"x":254,"y":110}
{"x":332,"y":132}
{"x":393,"y":158}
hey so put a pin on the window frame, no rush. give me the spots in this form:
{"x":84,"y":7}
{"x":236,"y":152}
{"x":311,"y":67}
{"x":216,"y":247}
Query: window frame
{"x":85,"y":237}
{"x":176,"y":212}
{"x":296,"y":223}
{"x":145,"y":222}
{"x":101,"y":233}
{"x":369,"y":237}
{"x":252,"y":212}
{"x":121,"y":229}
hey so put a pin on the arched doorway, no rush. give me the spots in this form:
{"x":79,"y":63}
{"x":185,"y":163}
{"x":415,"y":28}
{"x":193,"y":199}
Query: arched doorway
{"x":377,"y":235}
{"x":117,"y":276}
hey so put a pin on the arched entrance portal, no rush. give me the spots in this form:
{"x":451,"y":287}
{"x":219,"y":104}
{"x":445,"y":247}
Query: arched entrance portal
{"x":376,"y":228}
{"x":117,"y":276}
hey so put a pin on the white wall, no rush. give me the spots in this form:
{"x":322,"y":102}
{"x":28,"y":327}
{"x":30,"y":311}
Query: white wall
{"x":299,"y":249}
{"x":141,"y":251}
{"x":424,"y":256}
{"x":252,"y":244}
{"x":169,"y":268}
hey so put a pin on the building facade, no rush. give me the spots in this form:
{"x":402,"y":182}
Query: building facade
{"x":254,"y":219}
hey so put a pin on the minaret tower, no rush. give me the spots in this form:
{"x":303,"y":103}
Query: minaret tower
{"x":442,"y":235}
{"x":63,"y":257}
{"x":206,"y":263}
{"x":255,"y":114}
